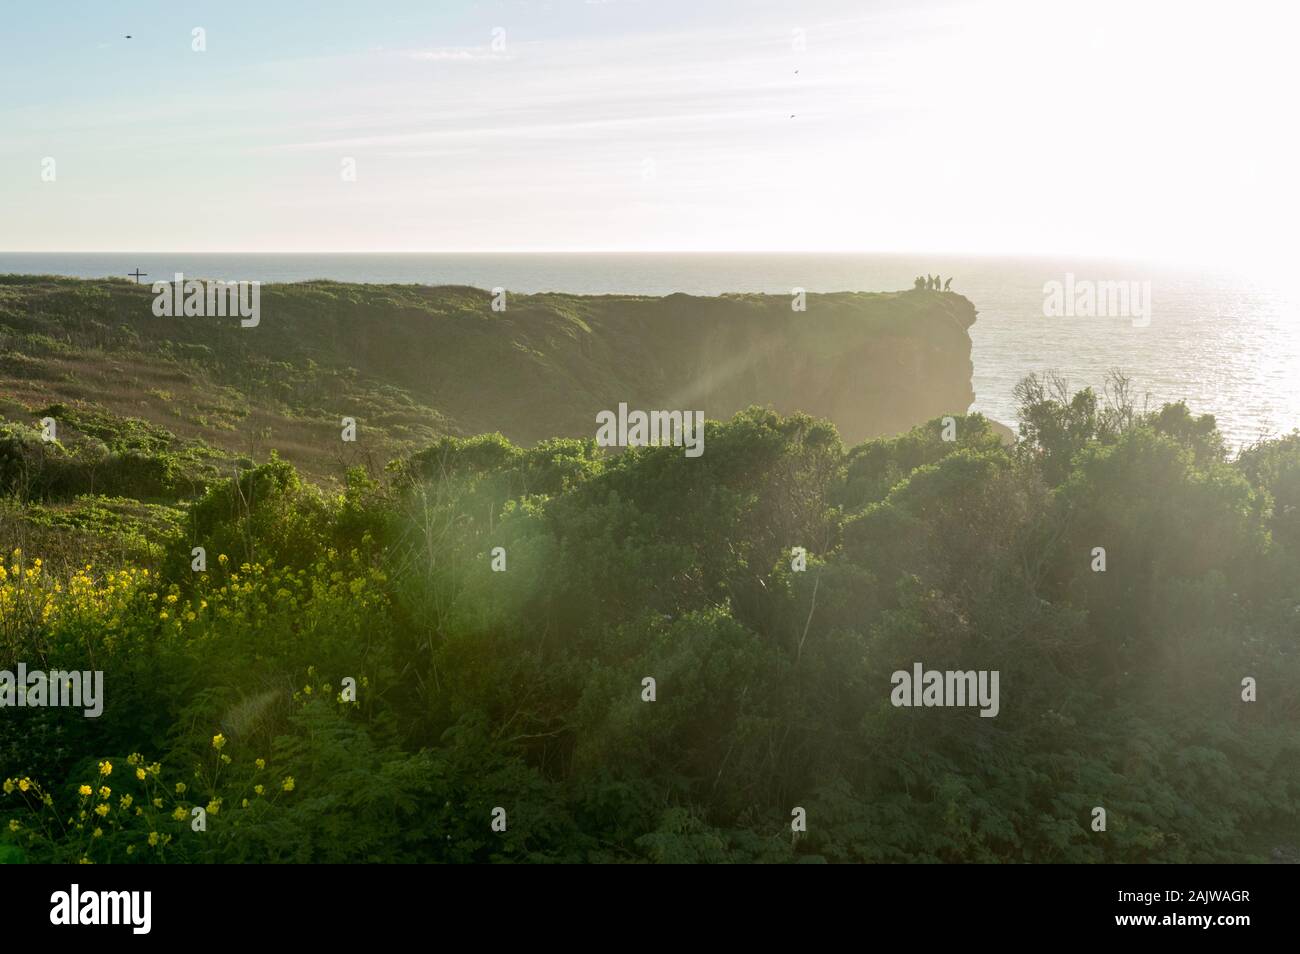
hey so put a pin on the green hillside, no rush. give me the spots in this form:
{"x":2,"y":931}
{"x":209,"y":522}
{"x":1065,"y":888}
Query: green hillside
{"x":412,"y":363}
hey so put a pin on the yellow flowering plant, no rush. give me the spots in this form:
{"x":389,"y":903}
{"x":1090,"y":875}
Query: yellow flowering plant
{"x":152,"y":822}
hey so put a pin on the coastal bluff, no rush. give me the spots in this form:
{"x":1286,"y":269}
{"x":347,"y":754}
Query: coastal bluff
{"x":411,"y":363}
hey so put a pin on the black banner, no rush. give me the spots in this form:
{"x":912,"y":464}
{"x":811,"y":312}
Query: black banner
{"x":137,"y":903}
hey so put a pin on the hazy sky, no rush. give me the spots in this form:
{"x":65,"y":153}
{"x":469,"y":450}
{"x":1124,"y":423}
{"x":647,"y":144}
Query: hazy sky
{"x":1133,"y":128}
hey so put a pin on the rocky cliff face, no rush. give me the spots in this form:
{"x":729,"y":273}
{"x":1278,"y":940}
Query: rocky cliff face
{"x":874,"y":364}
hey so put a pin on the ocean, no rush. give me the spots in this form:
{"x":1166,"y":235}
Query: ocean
{"x":1228,"y":343}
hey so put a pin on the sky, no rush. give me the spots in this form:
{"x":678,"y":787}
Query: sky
{"x":1118,"y":129}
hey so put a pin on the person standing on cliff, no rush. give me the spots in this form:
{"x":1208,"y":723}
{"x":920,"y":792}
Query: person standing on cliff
{"x":947,"y":286}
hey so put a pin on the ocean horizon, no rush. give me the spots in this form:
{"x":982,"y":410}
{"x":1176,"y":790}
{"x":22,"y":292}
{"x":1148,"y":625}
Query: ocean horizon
{"x":1225,"y":342}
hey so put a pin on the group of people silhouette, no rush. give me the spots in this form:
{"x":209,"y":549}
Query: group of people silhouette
{"x":931,"y":282}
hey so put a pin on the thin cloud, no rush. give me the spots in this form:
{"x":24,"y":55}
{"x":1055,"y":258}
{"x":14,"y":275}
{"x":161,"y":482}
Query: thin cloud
{"x":458,"y":54}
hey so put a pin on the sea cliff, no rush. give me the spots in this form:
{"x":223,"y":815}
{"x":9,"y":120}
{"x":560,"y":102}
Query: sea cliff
{"x":410,"y":363}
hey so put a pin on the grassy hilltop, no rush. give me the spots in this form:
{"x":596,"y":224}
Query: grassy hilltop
{"x":637,"y":656}
{"x":412,"y":363}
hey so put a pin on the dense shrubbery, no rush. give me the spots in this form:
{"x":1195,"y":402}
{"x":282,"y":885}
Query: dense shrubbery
{"x":523,"y":688}
{"x":108,"y":456}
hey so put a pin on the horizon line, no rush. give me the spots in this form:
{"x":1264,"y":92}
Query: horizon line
{"x":1045,"y":255}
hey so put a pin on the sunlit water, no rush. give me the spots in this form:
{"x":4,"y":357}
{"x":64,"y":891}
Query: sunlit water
{"x":1227,"y":343}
